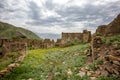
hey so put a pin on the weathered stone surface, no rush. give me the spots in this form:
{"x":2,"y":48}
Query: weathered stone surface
{"x":104,"y":73}
{"x":113,"y":58}
{"x":48,"y":43}
{"x":81,"y":73}
{"x":68,"y":38}
{"x":101,"y":30}
{"x":4,"y":49}
{"x":2,"y":72}
{"x":108,"y":54}
{"x":116,"y":63}
{"x":90,"y":73}
{"x":86,"y":36}
{"x":58,"y":42}
{"x":92,"y":78}
{"x":95,"y":44}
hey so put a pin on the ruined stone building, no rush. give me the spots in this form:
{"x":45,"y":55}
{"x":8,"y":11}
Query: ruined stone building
{"x":113,"y":28}
{"x":58,"y":42}
{"x":85,"y":36}
{"x":47,"y":43}
{"x":69,"y":37}
{"x":12,"y":45}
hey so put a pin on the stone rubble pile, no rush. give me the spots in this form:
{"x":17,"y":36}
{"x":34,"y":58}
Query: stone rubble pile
{"x":107,"y":58}
{"x":11,"y":66}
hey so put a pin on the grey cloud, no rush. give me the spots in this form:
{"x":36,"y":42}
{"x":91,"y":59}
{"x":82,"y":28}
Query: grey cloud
{"x":50,"y":21}
{"x":49,"y":4}
{"x":36,"y":15}
{"x":9,"y":10}
{"x":34,"y":11}
{"x":89,"y":15}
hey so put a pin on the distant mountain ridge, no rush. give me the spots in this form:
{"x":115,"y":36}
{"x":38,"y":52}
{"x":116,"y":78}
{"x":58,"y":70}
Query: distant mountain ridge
{"x":49,"y":35}
{"x":10,"y":31}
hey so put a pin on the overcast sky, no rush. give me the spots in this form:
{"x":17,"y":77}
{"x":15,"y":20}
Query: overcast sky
{"x":51,"y":17}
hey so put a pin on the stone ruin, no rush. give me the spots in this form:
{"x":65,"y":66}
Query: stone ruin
{"x":111,"y":29}
{"x":47,"y":43}
{"x":20,"y":46}
{"x":107,"y":54}
{"x":34,"y":44}
{"x":68,"y":38}
{"x":101,"y":30}
{"x":16,"y":44}
{"x":86,"y":36}
{"x":58,"y":42}
{"x":11,"y":45}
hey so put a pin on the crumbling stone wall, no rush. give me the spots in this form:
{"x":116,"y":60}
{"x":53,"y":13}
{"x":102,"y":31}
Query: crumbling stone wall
{"x":11,"y":66}
{"x":47,"y":43}
{"x":95,"y":45}
{"x":58,"y":42}
{"x":68,"y":38}
{"x":11,"y":45}
{"x":111,"y":29}
{"x":108,"y":54}
{"x":101,"y":30}
{"x":86,"y":36}
{"x":17,"y":44}
{"x":0,"y":47}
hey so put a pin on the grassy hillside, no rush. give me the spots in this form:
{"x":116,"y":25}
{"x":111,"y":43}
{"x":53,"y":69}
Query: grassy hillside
{"x":10,"y":31}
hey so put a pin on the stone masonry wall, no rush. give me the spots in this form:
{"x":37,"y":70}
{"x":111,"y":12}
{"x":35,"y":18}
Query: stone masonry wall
{"x":68,"y":38}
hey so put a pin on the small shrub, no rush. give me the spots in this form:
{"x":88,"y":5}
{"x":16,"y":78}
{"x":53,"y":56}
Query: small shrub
{"x":92,"y":67}
{"x":99,"y":62}
{"x":75,"y":42}
{"x":5,"y":63}
{"x":112,"y":39}
{"x":98,"y":34}
{"x":7,"y":59}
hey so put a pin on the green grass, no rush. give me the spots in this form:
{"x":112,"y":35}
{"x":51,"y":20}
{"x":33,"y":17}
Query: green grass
{"x":96,"y":62}
{"x":111,"y":39}
{"x":114,"y":40}
{"x":38,"y":63}
{"x":108,"y":78}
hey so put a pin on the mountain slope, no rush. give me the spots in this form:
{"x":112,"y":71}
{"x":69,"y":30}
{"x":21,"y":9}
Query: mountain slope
{"x":10,"y":31}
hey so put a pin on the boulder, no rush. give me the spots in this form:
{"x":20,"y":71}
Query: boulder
{"x":113,"y":58}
